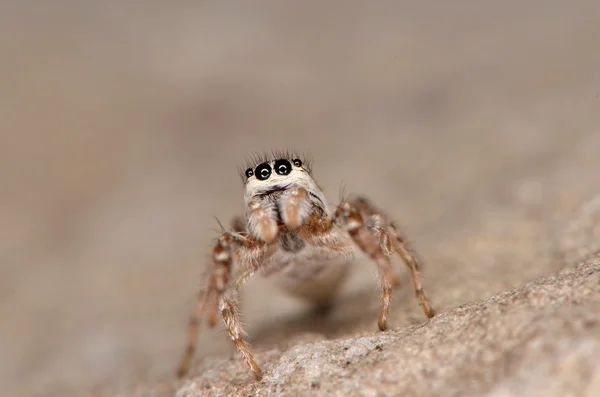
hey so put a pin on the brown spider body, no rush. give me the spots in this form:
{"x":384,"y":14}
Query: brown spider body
{"x":290,"y":231}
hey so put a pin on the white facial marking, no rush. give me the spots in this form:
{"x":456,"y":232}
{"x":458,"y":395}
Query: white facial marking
{"x":297,"y":177}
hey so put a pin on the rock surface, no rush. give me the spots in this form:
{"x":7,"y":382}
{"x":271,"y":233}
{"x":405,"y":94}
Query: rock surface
{"x":542,"y":339}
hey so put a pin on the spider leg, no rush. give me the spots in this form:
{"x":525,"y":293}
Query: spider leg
{"x":376,"y":222}
{"x":393,"y":241}
{"x":228,"y":304}
{"x":349,"y":218}
{"x":262,"y":221}
{"x":295,"y":208}
{"x":410,"y":259}
{"x":193,"y":327}
{"x":248,"y":251}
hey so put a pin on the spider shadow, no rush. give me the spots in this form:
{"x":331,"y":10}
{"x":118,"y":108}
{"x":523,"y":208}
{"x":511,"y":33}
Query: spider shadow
{"x":350,"y":313}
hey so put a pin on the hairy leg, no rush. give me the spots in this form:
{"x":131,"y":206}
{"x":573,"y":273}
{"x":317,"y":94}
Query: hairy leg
{"x":229,"y":305}
{"x":349,"y":218}
{"x":262,"y":221}
{"x":392,"y":240}
{"x":410,"y":259}
{"x":295,"y":208}
{"x":248,"y":251}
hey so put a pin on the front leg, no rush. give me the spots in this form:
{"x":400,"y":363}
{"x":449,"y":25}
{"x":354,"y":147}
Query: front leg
{"x":229,"y":306}
{"x":221,"y":293}
{"x":207,"y":300}
{"x":295,"y":208}
{"x":262,"y":220}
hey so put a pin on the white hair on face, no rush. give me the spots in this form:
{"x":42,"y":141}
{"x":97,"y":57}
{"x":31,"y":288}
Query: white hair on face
{"x":298,"y":177}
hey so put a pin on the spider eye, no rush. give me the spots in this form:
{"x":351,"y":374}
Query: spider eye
{"x":283,"y":167}
{"x":249,"y":172}
{"x":263,"y":172}
{"x":297,"y":162}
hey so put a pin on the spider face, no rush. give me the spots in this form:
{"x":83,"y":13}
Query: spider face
{"x":282,"y":167}
{"x":270,"y":179}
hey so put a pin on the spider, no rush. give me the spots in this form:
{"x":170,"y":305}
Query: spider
{"x":291,"y":231}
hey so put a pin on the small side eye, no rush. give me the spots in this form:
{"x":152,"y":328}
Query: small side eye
{"x":263,"y":172}
{"x":249,"y":172}
{"x":297,"y":162}
{"x":283,"y":167}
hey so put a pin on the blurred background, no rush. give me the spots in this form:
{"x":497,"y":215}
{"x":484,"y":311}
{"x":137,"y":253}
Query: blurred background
{"x":122,"y":124}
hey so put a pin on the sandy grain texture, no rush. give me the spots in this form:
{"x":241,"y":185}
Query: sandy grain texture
{"x":476,"y":126}
{"x":539,"y":340}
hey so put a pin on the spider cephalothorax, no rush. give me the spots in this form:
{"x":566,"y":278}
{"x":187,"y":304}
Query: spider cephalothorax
{"x":290,"y":232}
{"x":285,"y":190}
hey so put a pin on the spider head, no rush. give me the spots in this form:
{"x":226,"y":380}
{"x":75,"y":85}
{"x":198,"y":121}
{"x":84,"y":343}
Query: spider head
{"x":268,"y":178}
{"x":265,"y":170}
{"x":274,"y":176}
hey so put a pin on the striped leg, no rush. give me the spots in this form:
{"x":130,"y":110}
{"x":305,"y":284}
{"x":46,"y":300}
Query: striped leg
{"x":410,"y":259}
{"x":215,"y":297}
{"x":205,"y":300}
{"x":349,"y":218}
{"x":229,"y":311}
{"x":392,"y":240}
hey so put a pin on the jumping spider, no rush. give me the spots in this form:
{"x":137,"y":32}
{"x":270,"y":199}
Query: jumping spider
{"x":291,"y":230}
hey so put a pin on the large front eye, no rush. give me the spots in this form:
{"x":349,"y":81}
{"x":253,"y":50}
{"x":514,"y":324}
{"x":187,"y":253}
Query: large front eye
{"x":283,"y":167}
{"x":263,"y":171}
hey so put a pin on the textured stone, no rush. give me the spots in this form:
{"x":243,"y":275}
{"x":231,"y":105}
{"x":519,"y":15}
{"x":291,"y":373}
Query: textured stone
{"x":542,"y":339}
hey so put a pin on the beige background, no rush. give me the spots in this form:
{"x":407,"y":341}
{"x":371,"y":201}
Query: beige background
{"x":122,"y":126}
